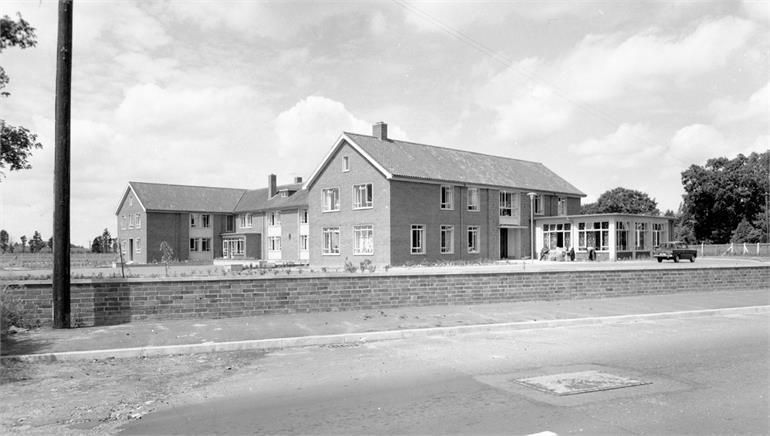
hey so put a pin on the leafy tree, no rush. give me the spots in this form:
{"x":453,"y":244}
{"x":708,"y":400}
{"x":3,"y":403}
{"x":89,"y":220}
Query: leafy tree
{"x":725,"y":192}
{"x":36,"y":243}
{"x":49,"y":244}
{"x":96,"y":245}
{"x":622,"y":200}
{"x":166,"y":254}
{"x":16,"y":143}
{"x":23,"y":242}
{"x":106,"y":241}
{"x":4,"y":241}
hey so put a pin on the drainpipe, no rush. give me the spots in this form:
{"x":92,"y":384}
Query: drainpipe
{"x":532,"y":225}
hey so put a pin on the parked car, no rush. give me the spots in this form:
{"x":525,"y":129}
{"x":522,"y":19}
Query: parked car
{"x":674,"y":251}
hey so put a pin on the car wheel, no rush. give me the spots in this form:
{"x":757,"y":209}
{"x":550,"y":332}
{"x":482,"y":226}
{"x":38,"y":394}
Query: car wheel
{"x":676,"y":258}
{"x":692,"y":258}
{"x":660,"y":260}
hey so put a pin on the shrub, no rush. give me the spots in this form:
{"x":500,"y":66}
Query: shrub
{"x":12,"y":313}
{"x":349,"y":267}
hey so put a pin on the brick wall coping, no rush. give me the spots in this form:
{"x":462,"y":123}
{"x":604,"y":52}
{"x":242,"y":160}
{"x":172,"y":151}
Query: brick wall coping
{"x":345,"y":275}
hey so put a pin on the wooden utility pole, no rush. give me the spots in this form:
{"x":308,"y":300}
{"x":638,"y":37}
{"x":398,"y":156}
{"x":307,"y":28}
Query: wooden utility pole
{"x":61,"y":183}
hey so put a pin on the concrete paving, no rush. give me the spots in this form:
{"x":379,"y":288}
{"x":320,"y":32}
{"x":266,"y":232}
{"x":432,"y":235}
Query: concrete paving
{"x":302,"y":329}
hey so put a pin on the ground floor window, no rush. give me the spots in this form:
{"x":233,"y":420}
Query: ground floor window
{"x":303,"y":243}
{"x":363,"y":240}
{"x":557,"y":236}
{"x":595,"y":235}
{"x":417,"y":239}
{"x":657,"y":234}
{"x":232,"y":247}
{"x":447,"y":239}
{"x":473,"y":239}
{"x":621,"y":236}
{"x":193,"y":244}
{"x":205,"y":244}
{"x":138,"y":245}
{"x":331,"y":240}
{"x":641,"y":235}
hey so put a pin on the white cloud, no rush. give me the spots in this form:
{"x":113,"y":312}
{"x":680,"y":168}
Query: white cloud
{"x":696,"y":143}
{"x":758,"y":10}
{"x":311,"y":126}
{"x":755,"y":109}
{"x":630,"y":146}
{"x":533,"y":97}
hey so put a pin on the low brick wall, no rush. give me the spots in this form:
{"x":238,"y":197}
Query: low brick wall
{"x":113,"y":302}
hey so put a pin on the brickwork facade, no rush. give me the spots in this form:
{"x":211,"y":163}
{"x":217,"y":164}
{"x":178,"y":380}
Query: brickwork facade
{"x":113,"y":302}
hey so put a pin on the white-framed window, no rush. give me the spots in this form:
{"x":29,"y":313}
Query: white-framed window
{"x":138,"y":221}
{"x":274,"y":243}
{"x":562,"y":207}
{"x":124,"y":246}
{"x":657,"y":234}
{"x":239,"y":246}
{"x":193,"y":244}
{"x":130,"y":200}
{"x":331,"y":241}
{"x":138,"y":244}
{"x":447,"y":239}
{"x":275,"y":218}
{"x":557,"y":236}
{"x":331,"y":199}
{"x":473,"y":199}
{"x":303,"y":216}
{"x":123,"y":222}
{"x":363,"y":239}
{"x":641,"y":235}
{"x":192,"y":220}
{"x":131,"y":221}
{"x":345,"y":163}
{"x":205,"y":221}
{"x":473,"y":239}
{"x":621,"y":236}
{"x":539,"y":204}
{"x":447,"y":197}
{"x":205,"y":244}
{"x":362,"y":196}
{"x":303,"y":243}
{"x":596,"y":235}
{"x":506,"y":203}
{"x":247,"y":221}
{"x":417,"y":239}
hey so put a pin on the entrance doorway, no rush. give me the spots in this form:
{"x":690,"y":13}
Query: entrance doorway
{"x":131,"y":250}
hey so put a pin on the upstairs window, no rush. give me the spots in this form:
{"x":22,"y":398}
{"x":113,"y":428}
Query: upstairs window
{"x":246,"y":221}
{"x":192,"y":220}
{"x":473,"y":199}
{"x":331,"y":199}
{"x":362,"y":196}
{"x":447,"y":201}
{"x":303,"y":216}
{"x":206,"y":221}
{"x":131,"y":221}
{"x":275,"y":218}
{"x":539,"y":204}
{"x":506,"y":203}
{"x":562,"y":207}
{"x":345,"y":163}
{"x":230,"y":223}
{"x":138,"y":221}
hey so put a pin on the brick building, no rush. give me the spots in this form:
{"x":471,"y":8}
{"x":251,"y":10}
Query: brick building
{"x":397,"y":202}
{"x":388,"y":201}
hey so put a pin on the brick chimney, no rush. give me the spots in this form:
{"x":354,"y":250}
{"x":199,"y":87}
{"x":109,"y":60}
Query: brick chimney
{"x":272,"y":185}
{"x":298,"y":180}
{"x":380,"y":131}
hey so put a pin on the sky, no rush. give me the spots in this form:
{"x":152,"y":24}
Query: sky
{"x":222,"y":93}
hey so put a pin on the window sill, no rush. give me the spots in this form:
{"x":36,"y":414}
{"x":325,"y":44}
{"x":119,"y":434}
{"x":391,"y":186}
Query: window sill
{"x":418,"y":254}
{"x":363,"y":207}
{"x":333,"y":210}
{"x":447,"y":252}
{"x":330,"y":254}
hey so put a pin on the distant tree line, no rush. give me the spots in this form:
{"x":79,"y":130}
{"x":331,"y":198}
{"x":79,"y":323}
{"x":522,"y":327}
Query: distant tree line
{"x":25,"y":244}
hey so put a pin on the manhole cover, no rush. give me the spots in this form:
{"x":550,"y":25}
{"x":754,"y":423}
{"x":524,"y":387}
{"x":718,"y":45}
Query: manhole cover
{"x":572,"y":383}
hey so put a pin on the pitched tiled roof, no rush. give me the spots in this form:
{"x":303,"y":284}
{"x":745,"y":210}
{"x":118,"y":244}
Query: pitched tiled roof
{"x":256,"y":199}
{"x":420,"y":161}
{"x":163,"y":197}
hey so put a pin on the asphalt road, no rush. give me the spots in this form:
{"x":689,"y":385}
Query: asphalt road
{"x":706,"y":375}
